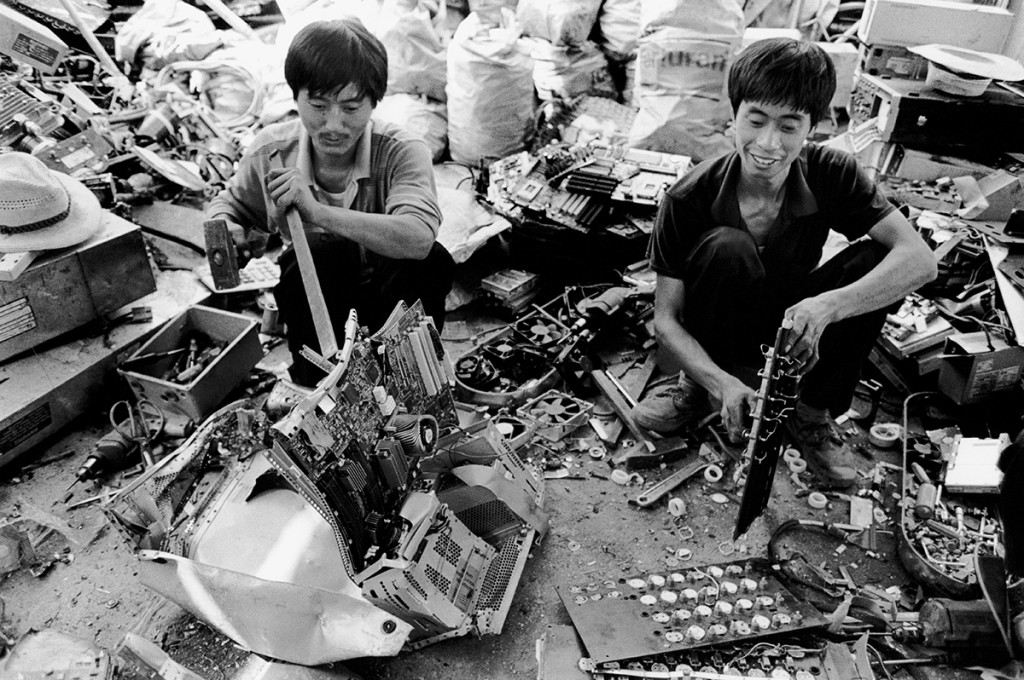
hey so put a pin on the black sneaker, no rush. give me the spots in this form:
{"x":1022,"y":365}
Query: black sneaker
{"x":671,"y":405}
{"x":827,"y":455}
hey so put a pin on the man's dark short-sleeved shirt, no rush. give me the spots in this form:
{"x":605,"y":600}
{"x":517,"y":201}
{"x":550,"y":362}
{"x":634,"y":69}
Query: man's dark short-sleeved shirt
{"x":825,"y":190}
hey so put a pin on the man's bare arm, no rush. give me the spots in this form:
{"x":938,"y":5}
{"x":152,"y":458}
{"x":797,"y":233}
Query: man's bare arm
{"x":907,"y":266}
{"x":399,"y":236}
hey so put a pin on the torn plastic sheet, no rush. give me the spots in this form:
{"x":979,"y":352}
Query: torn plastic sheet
{"x":55,"y":654}
{"x":293,"y":623}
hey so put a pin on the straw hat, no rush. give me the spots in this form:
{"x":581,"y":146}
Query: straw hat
{"x":964,"y":72}
{"x":41,"y":209}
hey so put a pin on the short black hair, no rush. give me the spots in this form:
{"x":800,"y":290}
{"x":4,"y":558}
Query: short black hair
{"x":785,"y":72}
{"x":326,"y":56}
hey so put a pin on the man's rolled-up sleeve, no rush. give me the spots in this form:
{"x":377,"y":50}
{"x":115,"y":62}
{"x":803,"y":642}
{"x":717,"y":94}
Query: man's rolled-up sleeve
{"x":412,"y":191}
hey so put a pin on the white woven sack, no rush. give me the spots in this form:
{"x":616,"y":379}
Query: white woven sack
{"x":416,"y":57}
{"x":419,"y":115}
{"x":680,"y":93}
{"x":569,"y":72}
{"x":490,"y":90}
{"x":560,"y":22}
{"x":700,"y":17}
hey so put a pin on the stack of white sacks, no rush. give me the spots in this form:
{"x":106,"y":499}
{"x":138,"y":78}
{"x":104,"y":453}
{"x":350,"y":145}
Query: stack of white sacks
{"x":477,"y":93}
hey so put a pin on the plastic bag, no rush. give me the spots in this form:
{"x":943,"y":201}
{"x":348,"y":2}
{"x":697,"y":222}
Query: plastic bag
{"x":699,"y":17}
{"x":163,"y":32}
{"x":568,"y":72}
{"x":419,"y":115}
{"x":416,"y":57}
{"x":560,"y":22}
{"x":490,"y":90}
{"x":365,"y":11}
{"x":490,"y":12}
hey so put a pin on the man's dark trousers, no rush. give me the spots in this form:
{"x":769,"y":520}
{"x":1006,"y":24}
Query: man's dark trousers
{"x":731,"y":308}
{"x":340,"y":271}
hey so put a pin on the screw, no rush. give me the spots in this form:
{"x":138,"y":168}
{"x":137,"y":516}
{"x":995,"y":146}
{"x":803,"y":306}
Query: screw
{"x":389,"y":627}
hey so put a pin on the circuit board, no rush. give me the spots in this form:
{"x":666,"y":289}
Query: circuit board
{"x":785,"y":660}
{"x":646,"y":614}
{"x":353,"y":468}
{"x":576,"y":186}
{"x":418,"y":373}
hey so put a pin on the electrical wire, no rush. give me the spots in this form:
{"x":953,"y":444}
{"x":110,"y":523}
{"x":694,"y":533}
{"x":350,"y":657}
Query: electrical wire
{"x":881,"y":662}
{"x":209,"y":66}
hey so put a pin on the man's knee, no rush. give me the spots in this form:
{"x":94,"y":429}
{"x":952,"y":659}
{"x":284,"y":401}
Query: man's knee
{"x":430,"y":281}
{"x":726,"y":244}
{"x":440,"y":266}
{"x":724,"y":256}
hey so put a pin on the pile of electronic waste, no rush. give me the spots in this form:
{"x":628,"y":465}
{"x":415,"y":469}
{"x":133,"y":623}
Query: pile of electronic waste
{"x":364,"y":521}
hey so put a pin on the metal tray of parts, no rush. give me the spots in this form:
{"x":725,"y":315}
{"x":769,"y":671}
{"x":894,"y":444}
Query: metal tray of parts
{"x":652,"y":613}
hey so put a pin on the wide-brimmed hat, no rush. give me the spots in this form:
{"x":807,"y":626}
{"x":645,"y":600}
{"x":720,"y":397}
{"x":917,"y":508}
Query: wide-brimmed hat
{"x":965,"y":72}
{"x":41,"y":209}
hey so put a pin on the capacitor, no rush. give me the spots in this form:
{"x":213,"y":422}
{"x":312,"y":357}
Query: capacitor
{"x":924,"y":503}
{"x":695,"y":633}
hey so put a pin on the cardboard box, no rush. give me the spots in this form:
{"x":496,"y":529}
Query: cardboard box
{"x":972,"y":370}
{"x":65,"y":289}
{"x":921,"y":22}
{"x":240,"y":352}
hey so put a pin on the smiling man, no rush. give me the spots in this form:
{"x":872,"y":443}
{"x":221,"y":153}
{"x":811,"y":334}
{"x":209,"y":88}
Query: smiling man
{"x":364,"y":190}
{"x":736,"y":249}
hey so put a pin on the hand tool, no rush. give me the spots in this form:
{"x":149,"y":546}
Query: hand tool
{"x":650,"y":496}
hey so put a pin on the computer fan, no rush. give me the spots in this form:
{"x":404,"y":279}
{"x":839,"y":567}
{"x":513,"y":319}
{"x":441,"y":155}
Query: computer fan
{"x":556,"y":414}
{"x":476,"y":372}
{"x":539,"y":331}
{"x":517,"y":431}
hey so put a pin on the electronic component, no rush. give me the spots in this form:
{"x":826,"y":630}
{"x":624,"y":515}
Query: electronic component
{"x":18,"y":106}
{"x":775,"y":397}
{"x":576,"y":186}
{"x":28,"y":41}
{"x":556,"y":414}
{"x":425,"y":527}
{"x":642,"y":615}
{"x":911,"y":113}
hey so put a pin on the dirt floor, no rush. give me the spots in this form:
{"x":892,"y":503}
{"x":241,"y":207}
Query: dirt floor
{"x":595,"y":535}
